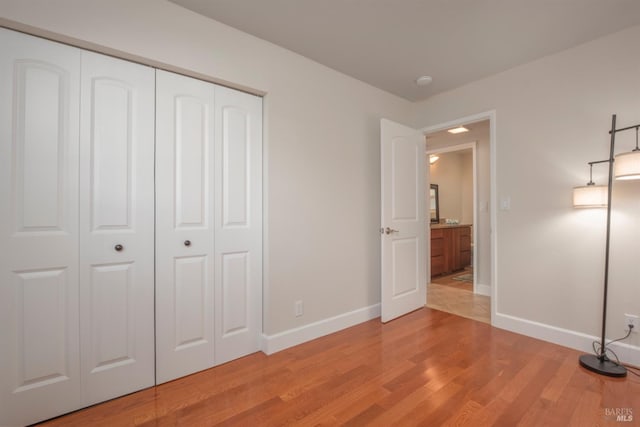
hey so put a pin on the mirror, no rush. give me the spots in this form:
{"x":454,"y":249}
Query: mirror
{"x":434,"y":208}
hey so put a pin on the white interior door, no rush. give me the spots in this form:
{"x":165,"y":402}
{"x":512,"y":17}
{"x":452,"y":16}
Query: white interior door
{"x":238,"y":219}
{"x":403,"y":220}
{"x":184,"y":226}
{"x":116,"y":227}
{"x":39,"y":339}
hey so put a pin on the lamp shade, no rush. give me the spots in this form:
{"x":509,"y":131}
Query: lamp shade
{"x":590,"y":196}
{"x":627,"y":165}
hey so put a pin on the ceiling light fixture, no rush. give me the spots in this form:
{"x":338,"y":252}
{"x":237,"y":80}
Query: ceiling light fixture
{"x":424,"y":80}
{"x":459,"y":129}
{"x":433,"y":158}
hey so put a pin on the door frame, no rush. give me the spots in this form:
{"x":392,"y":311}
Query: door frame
{"x":493,"y":231}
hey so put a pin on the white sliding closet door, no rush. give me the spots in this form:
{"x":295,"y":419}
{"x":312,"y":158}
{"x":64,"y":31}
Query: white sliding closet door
{"x":39,"y":344}
{"x":77,"y":207}
{"x":184,"y":225}
{"x":238,"y":231}
{"x":208,"y":225}
{"x":116,"y":227}
{"x":76,"y":180}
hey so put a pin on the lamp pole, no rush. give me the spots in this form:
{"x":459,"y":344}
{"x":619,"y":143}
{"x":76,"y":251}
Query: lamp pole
{"x":607,"y":244}
{"x":600,"y":363}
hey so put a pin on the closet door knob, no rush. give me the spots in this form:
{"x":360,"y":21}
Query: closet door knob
{"x":118,"y":248}
{"x":187,"y":242}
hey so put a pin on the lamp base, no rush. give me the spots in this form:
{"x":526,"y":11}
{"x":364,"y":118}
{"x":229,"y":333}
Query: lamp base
{"x":602,"y":366}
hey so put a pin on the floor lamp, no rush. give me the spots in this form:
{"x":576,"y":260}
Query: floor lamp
{"x":624,"y":166}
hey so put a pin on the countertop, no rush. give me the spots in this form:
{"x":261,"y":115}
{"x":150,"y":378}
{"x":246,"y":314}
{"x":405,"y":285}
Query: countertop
{"x":449,"y":225}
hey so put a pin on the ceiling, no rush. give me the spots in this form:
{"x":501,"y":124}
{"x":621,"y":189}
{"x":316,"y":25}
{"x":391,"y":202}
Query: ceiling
{"x":477,"y":131}
{"x":389,"y":43}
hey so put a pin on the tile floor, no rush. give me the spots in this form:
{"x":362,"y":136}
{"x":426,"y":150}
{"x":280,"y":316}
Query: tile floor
{"x":446,"y":294}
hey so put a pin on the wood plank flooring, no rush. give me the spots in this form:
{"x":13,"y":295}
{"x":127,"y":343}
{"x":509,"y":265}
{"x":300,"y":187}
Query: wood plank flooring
{"x":427,"y":368}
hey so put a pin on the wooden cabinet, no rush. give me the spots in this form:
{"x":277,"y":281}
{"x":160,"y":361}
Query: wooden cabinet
{"x":450,"y":249}
{"x":438,"y":252}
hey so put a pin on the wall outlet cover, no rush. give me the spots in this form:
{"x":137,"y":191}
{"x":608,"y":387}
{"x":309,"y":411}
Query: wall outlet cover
{"x":298,"y":308}
{"x":632,"y":319}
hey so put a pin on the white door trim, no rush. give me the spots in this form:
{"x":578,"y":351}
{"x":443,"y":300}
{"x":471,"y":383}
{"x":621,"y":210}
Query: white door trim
{"x":491,"y":116}
{"x":266,"y":284}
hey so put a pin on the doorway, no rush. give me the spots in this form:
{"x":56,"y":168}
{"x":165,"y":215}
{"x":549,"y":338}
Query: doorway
{"x":458,"y":168}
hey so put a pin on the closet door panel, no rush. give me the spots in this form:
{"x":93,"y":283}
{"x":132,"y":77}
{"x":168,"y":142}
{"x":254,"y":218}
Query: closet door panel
{"x":116,"y":223}
{"x":39,"y":147}
{"x":184,"y":226}
{"x":236,"y":161}
{"x":113,"y":337}
{"x":235,"y":293}
{"x":42,"y":354}
{"x":110,"y":141}
{"x":39,"y":343}
{"x":190,"y":283}
{"x":238,"y":233}
{"x":191,"y":123}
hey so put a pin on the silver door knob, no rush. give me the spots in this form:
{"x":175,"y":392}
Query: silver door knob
{"x":390,"y":230}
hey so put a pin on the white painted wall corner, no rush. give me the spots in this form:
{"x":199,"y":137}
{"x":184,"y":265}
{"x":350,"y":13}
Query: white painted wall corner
{"x":273,"y":343}
{"x":483,"y":289}
{"x":567,"y":338}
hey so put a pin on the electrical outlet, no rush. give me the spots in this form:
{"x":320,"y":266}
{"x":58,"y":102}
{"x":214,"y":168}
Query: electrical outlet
{"x":630,"y":319}
{"x":298,"y":309}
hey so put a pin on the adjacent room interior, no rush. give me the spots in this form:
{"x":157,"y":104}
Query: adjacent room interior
{"x":459,"y":196}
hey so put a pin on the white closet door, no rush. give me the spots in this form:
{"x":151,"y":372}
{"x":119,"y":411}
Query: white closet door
{"x":116,"y":227}
{"x":39,"y":346}
{"x":184,"y":226}
{"x":238,"y":231}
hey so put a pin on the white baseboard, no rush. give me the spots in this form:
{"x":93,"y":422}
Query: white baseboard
{"x":567,"y":338}
{"x":564,"y":337}
{"x":274,"y":343}
{"x":483,"y":289}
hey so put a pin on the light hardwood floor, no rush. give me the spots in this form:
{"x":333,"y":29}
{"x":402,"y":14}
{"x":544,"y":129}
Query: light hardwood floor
{"x":427,"y":368}
{"x":455,"y":297}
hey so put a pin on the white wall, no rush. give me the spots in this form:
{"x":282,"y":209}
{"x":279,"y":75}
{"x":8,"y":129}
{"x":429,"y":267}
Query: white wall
{"x":321,"y":140}
{"x":466,"y":190}
{"x":322,"y":152}
{"x":453,"y":172}
{"x":552,"y":117}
